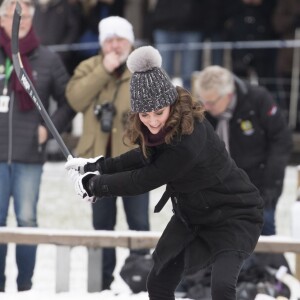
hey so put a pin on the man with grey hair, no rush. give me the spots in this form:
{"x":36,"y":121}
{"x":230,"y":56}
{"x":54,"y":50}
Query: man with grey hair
{"x":23,"y":135}
{"x":253,"y":129}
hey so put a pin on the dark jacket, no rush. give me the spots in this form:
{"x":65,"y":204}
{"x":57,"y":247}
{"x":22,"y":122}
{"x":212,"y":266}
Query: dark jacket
{"x":188,"y":15}
{"x":59,"y":22}
{"x":250,"y":22}
{"x":18,"y":129}
{"x":259,"y":139}
{"x":285,"y":20}
{"x":216,"y":206}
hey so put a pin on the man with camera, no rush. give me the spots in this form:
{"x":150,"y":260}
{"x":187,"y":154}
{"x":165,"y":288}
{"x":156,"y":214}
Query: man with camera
{"x":99,"y":89}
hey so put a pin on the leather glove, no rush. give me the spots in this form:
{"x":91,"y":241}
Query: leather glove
{"x":80,"y":164}
{"x":81,"y":184}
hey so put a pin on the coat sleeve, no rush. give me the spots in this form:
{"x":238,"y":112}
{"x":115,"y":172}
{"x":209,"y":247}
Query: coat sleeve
{"x":87,"y":82}
{"x":279,"y":141}
{"x":172,"y":163}
{"x":130,"y":160}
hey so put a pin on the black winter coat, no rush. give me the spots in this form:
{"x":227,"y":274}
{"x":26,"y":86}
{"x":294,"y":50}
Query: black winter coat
{"x":216,"y":206}
{"x":260,"y":141}
{"x":18,"y":129}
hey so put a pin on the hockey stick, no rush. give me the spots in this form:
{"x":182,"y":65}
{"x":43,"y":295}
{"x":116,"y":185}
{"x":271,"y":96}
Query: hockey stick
{"x":27,"y":84}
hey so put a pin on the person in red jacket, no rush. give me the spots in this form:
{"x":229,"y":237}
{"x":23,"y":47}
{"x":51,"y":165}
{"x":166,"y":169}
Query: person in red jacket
{"x":218,"y":212}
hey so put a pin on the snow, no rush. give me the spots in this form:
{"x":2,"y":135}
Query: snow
{"x":107,"y":295}
{"x":59,"y":208}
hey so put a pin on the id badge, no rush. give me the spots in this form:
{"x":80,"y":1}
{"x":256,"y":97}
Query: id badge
{"x":4,"y":103}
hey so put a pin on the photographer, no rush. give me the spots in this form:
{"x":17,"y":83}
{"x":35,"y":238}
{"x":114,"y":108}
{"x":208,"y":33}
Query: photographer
{"x":99,"y":89}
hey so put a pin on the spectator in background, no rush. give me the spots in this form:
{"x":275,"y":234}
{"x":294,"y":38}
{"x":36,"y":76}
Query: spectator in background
{"x":285,"y":20}
{"x":59,"y":22}
{"x":22,"y":133}
{"x":95,"y":11}
{"x":250,"y":20}
{"x":99,"y":89}
{"x":186,"y":23}
{"x":253,"y":129}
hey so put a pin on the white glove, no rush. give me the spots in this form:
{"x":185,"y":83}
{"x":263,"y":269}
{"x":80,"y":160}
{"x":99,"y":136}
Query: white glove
{"x":78,"y":180}
{"x":78,"y":163}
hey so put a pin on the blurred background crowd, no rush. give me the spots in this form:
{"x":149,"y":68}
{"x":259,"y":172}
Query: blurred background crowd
{"x":246,"y":36}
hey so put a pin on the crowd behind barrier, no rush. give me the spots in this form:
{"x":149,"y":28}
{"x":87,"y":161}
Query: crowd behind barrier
{"x":208,"y":47}
{"x":274,"y":84}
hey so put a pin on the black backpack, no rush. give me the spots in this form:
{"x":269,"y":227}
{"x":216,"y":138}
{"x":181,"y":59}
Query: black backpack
{"x":135,"y":271}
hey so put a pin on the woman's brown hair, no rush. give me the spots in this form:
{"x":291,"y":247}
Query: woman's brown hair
{"x":183,"y":113}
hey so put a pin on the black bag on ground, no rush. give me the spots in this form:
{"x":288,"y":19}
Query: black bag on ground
{"x":258,"y":276}
{"x":135,"y":271}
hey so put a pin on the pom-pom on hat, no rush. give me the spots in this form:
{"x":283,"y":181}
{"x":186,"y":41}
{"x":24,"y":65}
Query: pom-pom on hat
{"x":150,"y":87}
{"x":115,"y":26}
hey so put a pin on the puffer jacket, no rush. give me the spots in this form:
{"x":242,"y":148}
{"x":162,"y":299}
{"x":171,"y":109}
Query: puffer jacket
{"x":216,"y":206}
{"x":90,"y":86}
{"x":18,"y":129}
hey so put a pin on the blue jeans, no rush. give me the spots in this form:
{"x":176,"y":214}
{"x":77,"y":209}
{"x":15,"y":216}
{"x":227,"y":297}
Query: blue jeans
{"x":22,"y":182}
{"x":104,"y":218}
{"x":190,"y":60}
{"x":269,"y":222}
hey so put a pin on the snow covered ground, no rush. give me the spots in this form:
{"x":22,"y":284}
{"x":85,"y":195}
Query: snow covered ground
{"x":60,"y":208}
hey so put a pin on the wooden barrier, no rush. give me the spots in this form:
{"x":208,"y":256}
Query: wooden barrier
{"x":96,"y":240}
{"x":92,"y":239}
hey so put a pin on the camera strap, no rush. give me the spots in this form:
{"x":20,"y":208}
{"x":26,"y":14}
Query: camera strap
{"x":108,"y":150}
{"x":118,"y":84}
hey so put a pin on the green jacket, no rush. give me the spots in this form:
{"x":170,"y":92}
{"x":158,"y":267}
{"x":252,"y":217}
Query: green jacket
{"x":91,"y":85}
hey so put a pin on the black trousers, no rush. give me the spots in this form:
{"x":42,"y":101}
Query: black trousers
{"x":224,"y":276}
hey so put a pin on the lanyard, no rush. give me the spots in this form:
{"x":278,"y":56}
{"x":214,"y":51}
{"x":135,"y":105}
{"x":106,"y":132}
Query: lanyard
{"x":8,"y":71}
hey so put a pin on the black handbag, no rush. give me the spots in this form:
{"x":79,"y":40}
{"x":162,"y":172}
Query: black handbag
{"x":135,"y":271}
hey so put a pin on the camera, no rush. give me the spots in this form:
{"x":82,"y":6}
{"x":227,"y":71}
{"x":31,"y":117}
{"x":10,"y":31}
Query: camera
{"x":105,"y":114}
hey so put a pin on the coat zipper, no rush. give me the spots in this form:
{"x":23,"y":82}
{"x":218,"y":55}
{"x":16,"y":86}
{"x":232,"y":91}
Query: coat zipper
{"x":10,"y":129}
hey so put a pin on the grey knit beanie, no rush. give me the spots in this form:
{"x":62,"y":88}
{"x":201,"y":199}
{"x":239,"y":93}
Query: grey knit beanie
{"x":150,"y":87}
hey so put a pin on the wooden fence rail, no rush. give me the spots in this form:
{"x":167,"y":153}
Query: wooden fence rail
{"x":96,"y":240}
